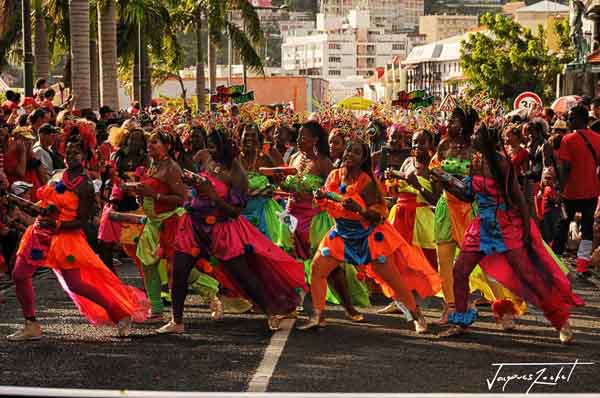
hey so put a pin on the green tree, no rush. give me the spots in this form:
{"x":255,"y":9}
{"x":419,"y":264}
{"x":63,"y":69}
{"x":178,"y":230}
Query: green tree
{"x":567,"y":51}
{"x":508,"y":59}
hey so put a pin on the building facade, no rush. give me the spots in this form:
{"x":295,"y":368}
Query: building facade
{"x":439,"y":27}
{"x":350,"y":48}
{"x":391,"y":15}
{"x":541,"y":13}
{"x":435,"y":67}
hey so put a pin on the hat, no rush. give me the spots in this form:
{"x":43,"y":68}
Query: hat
{"x":560,"y":125}
{"x":48,"y":129}
{"x":20,"y":187}
{"x":24,"y":132}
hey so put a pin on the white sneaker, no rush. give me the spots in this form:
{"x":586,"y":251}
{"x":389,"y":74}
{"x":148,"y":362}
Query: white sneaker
{"x":31,"y":331}
{"x":124,"y":326}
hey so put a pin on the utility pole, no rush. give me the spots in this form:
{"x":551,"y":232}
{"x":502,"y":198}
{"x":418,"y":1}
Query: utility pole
{"x":27,"y":48}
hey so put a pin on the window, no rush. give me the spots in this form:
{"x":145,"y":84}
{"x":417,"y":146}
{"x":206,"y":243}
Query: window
{"x":398,"y":46}
{"x":335,"y":46}
{"x":335,"y":59}
{"x":334,"y":72}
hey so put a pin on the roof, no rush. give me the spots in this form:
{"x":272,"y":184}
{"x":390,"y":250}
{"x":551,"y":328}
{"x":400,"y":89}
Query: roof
{"x":443,"y":50}
{"x":544,"y":6}
{"x":594,"y":58}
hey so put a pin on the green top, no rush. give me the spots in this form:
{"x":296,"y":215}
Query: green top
{"x":257,"y":182}
{"x":456,"y":166}
{"x":307,"y":183}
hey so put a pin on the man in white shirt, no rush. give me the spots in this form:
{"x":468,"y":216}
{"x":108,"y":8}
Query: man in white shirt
{"x":42,"y":148}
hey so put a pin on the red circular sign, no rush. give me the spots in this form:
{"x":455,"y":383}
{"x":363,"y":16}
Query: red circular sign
{"x":526,"y":100}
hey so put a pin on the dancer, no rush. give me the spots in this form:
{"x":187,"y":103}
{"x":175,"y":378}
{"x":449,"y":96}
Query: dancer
{"x":56,"y":240}
{"x":363,"y":236}
{"x":313,"y":165}
{"x":252,"y":265}
{"x":506,"y":242}
{"x":453,"y":216}
{"x":261,"y":209}
{"x":163,"y":193}
{"x":412,"y":215}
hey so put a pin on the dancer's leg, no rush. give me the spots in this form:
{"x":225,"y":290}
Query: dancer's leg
{"x":445,"y":252}
{"x":152,"y":284}
{"x":182,"y":266}
{"x":22,"y":274}
{"x":338,"y":280}
{"x":465,"y":263}
{"x":321,"y":266}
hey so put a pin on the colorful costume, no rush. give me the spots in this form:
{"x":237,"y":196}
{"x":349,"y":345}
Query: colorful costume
{"x":263,"y":211}
{"x":100,"y":296}
{"x":355,"y":241}
{"x":272,"y":279}
{"x":413,"y":217}
{"x":495,"y":240}
{"x":452,"y":218}
{"x":156,"y":241}
{"x":313,"y":225}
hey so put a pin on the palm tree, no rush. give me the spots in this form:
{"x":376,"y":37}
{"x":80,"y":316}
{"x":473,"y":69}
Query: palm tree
{"x":188,"y":14}
{"x":152,"y":19}
{"x":107,"y":34}
{"x":79,"y":17}
{"x":40,"y":44}
{"x":244,"y":40}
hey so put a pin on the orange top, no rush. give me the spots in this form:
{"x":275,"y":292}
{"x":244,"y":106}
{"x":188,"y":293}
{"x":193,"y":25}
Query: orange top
{"x":67,"y":202}
{"x":336,"y":210}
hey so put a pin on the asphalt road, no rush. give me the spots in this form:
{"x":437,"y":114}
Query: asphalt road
{"x":381,"y":355}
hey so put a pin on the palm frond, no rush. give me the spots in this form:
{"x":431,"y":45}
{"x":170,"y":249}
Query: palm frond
{"x":245,"y":48}
{"x":250,"y":18}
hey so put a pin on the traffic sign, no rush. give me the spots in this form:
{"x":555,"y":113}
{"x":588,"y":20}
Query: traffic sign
{"x":527,"y":100}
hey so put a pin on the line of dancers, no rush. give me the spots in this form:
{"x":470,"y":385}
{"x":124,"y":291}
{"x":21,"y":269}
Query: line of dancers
{"x":245,"y":225}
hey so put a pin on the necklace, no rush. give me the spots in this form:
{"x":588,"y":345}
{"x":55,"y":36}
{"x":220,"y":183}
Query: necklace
{"x":305,"y":164}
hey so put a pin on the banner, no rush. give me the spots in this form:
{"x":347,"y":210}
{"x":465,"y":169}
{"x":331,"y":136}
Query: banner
{"x":232,"y":94}
{"x":413,"y":100}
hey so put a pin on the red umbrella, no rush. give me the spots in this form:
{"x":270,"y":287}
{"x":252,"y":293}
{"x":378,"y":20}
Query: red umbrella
{"x":564,"y":104}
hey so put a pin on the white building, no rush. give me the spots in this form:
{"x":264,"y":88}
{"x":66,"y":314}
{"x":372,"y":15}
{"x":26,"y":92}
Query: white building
{"x":435,"y":67}
{"x":392,"y":15}
{"x":342,"y":47}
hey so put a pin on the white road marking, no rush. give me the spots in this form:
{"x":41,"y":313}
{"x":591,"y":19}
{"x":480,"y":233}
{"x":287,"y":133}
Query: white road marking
{"x":264,"y":372}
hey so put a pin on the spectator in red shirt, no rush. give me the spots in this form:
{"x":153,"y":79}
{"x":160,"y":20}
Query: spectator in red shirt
{"x":579,"y":154}
{"x":12,"y":101}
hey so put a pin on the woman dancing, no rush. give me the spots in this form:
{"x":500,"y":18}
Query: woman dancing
{"x":412,"y":215}
{"x":252,"y":266}
{"x":506,"y":242}
{"x":313,"y":165}
{"x":363,"y":236}
{"x":56,"y":240}
{"x":163,"y":193}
